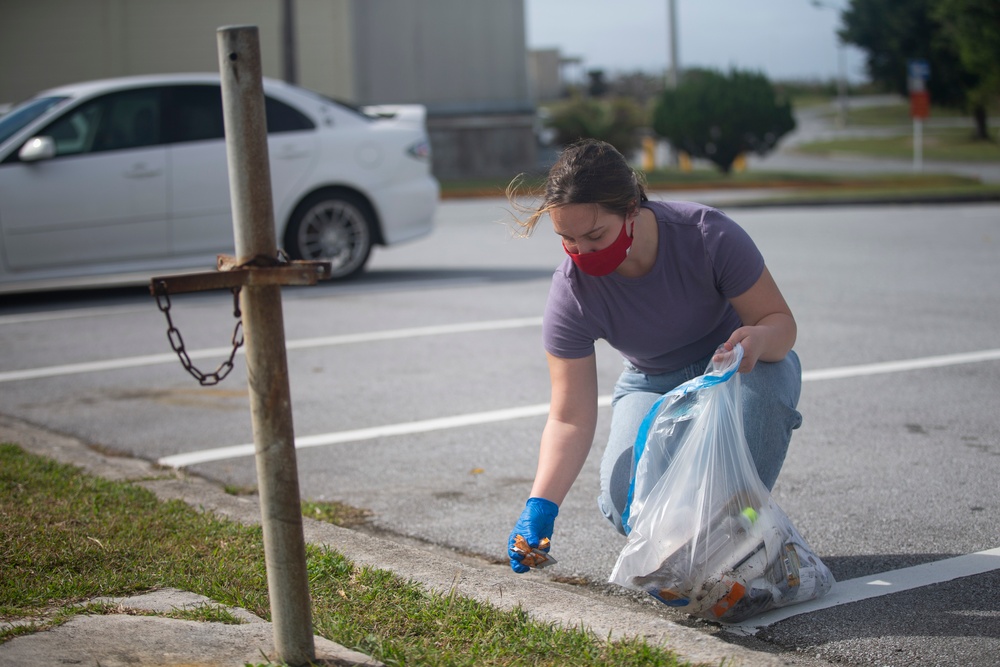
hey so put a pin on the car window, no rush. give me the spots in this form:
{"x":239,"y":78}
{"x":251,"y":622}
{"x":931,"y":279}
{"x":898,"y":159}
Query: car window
{"x":16,"y":118}
{"x":283,"y":118}
{"x":127,"y":119}
{"x":195,"y":113}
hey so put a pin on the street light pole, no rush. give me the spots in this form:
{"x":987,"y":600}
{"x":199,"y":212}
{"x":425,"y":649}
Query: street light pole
{"x":289,"y":47}
{"x":671,"y":80}
{"x":841,"y":70}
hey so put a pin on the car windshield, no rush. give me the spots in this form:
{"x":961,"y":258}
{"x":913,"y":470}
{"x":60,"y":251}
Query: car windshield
{"x":19,"y":116}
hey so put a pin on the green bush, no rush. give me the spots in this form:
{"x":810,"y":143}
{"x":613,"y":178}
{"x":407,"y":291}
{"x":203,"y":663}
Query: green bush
{"x":718,"y":117}
{"x":616,"y":121}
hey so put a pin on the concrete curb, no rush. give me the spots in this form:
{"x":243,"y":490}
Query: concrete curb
{"x":436,"y":569}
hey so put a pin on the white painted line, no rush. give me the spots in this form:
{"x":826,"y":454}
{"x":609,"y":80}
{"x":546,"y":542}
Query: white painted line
{"x":108,"y":365}
{"x":237,"y":451}
{"x":326,"y":341}
{"x":404,"y":428}
{"x":876,"y":585}
{"x":904,"y":365}
{"x":26,"y":318}
{"x":394,"y":334}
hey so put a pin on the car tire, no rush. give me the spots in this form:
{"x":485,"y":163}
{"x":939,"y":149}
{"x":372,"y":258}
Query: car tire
{"x":332,"y":226}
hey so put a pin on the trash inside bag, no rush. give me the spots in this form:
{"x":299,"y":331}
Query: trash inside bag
{"x":704,"y":534}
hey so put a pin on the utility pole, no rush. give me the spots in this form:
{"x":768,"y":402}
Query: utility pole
{"x":289,"y":47}
{"x":673,"y":65}
{"x":841,"y":69}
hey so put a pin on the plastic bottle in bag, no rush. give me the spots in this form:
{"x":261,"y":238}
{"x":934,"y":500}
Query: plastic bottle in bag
{"x":685,"y":576}
{"x":725,"y":533}
{"x":778,"y":572}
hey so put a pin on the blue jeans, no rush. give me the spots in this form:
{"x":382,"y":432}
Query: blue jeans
{"x":770,"y":395}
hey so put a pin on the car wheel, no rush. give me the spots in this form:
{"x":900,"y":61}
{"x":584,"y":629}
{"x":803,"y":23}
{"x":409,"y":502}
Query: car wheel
{"x":335,"y":227}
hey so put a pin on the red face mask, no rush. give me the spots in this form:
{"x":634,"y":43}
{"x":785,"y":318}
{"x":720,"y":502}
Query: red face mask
{"x":602,"y":262}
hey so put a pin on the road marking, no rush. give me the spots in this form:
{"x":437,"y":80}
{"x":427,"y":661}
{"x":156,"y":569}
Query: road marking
{"x":405,"y":428}
{"x":904,"y":365}
{"x":325,"y":341}
{"x":466,"y":327}
{"x":455,"y":421}
{"x":29,"y":318}
{"x":876,"y":585}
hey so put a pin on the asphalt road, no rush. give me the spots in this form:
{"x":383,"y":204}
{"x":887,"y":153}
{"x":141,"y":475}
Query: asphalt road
{"x":419,"y":393}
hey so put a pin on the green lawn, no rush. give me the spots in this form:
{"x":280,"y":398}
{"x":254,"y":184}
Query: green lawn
{"x":66,"y":537}
{"x":945,"y":144}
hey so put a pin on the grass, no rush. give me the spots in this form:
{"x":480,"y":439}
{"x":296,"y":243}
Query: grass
{"x":945,"y":144}
{"x":788,"y":186}
{"x":67,"y":537}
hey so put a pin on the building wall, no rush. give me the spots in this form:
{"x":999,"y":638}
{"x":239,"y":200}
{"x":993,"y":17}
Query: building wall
{"x":467,"y":63}
{"x":324,"y":32}
{"x":544,"y":74}
{"x":46,"y":43}
{"x":451,"y":55}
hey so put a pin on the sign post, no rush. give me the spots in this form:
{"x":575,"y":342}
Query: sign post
{"x":267,"y":365}
{"x":918,"y":71}
{"x":255,"y":277}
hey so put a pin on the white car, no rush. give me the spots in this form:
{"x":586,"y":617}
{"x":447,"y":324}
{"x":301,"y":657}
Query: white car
{"x":129,"y":176}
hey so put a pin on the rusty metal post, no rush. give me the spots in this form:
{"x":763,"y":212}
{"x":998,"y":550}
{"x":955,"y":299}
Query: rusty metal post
{"x":267,"y":364}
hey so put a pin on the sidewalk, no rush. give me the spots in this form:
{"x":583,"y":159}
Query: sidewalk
{"x":117,"y":640}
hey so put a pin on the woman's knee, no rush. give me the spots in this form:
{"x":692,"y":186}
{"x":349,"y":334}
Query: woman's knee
{"x":770,"y":398}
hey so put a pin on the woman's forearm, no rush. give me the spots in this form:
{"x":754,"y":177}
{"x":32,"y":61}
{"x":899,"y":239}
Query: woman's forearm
{"x":563,"y":451}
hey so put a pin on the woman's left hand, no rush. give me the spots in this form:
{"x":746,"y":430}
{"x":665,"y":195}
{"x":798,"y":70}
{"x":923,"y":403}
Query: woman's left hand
{"x":769,"y":328}
{"x":751,"y":352}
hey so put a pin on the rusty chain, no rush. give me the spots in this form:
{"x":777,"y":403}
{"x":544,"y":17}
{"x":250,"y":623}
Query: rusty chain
{"x":177,"y":342}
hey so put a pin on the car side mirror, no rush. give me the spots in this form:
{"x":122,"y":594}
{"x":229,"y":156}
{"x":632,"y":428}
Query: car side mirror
{"x":37,"y":148}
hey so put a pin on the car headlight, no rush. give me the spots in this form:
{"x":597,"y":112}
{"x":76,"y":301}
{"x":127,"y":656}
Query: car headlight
{"x":421,"y":150}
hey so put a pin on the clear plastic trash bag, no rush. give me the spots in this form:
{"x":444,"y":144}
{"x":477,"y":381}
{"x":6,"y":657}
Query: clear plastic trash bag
{"x":704,"y":534}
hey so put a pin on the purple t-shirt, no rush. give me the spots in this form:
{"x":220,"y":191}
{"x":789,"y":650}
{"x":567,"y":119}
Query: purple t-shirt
{"x":674,"y":315}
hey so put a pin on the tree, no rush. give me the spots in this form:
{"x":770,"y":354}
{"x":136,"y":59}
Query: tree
{"x":718,"y":117}
{"x":615,"y":121}
{"x":892,"y":33}
{"x":974,"y":27}
{"x":597,"y":87}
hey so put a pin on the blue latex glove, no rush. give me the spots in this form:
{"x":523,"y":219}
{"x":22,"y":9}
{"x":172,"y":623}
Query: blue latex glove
{"x":535,"y":523}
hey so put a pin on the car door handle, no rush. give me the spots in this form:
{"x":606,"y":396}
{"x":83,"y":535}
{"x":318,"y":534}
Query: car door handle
{"x":291,"y":153}
{"x":142,"y":171}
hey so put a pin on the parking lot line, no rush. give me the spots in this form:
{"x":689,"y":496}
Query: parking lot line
{"x":455,"y":421}
{"x":324,"y":341}
{"x":463,"y":327}
{"x":904,"y":365}
{"x":876,"y":585}
{"x":340,"y":437}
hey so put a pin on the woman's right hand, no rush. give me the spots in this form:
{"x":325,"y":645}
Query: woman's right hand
{"x":566,"y":440}
{"x":534,"y":525}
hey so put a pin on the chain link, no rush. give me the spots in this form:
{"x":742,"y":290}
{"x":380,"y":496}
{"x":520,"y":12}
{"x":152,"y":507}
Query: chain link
{"x":177,"y":342}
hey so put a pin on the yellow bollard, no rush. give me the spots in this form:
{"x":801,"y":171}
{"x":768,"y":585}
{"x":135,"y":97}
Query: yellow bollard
{"x":648,"y":153}
{"x":684,"y":162}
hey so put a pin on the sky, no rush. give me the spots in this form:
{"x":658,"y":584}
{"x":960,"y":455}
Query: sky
{"x":785,"y":39}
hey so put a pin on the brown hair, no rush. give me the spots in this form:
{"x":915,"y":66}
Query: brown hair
{"x":587,"y":172}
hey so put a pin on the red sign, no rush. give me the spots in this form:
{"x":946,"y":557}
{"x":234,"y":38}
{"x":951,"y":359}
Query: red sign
{"x":920,"y":104}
